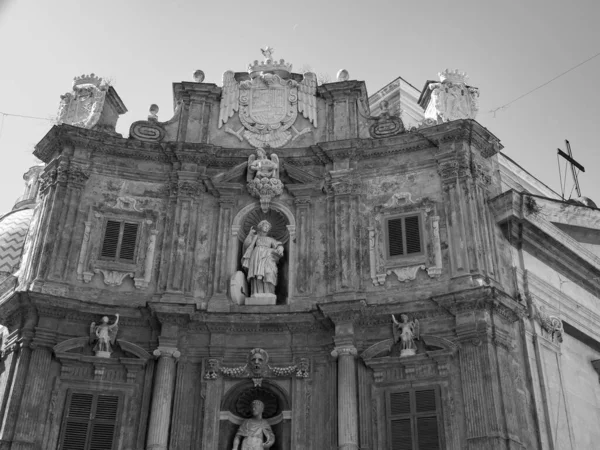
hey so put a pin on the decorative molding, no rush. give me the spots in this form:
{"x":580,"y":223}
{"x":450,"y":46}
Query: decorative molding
{"x":166,"y":352}
{"x":113,"y":277}
{"x":142,"y":283}
{"x":344,"y":350}
{"x":127,"y":203}
{"x":549,"y":323}
{"x":405,"y":274}
{"x":405,"y":268}
{"x":257,"y":368}
{"x":147,"y":131}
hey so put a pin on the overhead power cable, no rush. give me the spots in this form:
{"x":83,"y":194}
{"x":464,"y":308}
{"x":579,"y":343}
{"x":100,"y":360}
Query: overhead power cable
{"x":495,"y":110}
{"x":25,"y":117}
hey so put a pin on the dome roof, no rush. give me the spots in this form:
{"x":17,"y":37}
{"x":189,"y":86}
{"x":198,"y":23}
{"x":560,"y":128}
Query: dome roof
{"x":13,"y":231}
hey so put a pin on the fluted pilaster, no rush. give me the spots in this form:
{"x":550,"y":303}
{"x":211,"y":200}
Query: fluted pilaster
{"x":162,"y":399}
{"x":347,"y":397}
{"x":36,"y":391}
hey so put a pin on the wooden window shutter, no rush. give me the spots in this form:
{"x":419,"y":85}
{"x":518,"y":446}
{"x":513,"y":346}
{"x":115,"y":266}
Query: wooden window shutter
{"x":395,"y":241}
{"x":128,"y":241}
{"x":404,"y":236}
{"x":401,"y":434}
{"x":400,"y":425}
{"x":413,"y":234}
{"x":77,"y":422}
{"x":90,"y":422}
{"x":120,"y":239}
{"x":400,"y":403}
{"x":111,"y":239}
{"x":426,"y":409}
{"x":414,"y":420}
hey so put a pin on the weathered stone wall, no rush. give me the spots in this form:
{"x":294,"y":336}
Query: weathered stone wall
{"x":174,"y":299}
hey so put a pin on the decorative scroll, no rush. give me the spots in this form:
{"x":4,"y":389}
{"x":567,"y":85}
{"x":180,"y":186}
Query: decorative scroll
{"x":146,"y":131}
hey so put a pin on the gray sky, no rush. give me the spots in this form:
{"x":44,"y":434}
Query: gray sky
{"x":507,"y":48}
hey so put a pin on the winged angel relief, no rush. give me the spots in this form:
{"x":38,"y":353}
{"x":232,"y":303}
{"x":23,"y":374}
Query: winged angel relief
{"x":268,"y":103}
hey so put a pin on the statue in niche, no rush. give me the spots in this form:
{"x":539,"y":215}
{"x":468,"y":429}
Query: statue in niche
{"x":253,"y":430}
{"x":104,"y":335}
{"x":261,"y":255}
{"x":263,"y":178}
{"x":406,"y":332}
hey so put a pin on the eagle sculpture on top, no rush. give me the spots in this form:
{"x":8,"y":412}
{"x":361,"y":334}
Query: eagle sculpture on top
{"x":268,"y":103}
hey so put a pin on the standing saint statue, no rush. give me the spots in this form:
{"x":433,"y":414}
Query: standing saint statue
{"x":261,"y":254}
{"x":406,"y":332}
{"x":253,"y":430}
{"x":104,"y":335}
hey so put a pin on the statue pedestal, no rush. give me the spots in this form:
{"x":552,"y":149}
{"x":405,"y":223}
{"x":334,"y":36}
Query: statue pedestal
{"x":101,"y":354}
{"x":261,"y":299}
{"x":408,"y":352}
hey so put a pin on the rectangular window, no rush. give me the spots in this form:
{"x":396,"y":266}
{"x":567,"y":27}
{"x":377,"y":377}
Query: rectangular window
{"x":120,"y":240}
{"x":89,"y":422}
{"x":404,"y":236}
{"x":413,"y":420}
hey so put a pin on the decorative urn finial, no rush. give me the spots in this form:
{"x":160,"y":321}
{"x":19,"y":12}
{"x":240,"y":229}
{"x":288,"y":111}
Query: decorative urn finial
{"x":153,"y":112}
{"x":198,"y":76}
{"x":343,"y":75}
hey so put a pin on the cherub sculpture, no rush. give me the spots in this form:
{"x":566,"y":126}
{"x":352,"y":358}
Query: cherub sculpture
{"x":406,"y":332}
{"x":260,"y":166}
{"x":104,"y":336}
{"x":263,"y":178}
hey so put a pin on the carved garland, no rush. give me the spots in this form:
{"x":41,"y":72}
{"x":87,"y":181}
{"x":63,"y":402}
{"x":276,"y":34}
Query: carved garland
{"x":257,"y":368}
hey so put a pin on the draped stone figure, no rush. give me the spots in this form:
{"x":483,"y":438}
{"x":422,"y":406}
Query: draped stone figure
{"x":254,"y":431}
{"x":261,"y":255}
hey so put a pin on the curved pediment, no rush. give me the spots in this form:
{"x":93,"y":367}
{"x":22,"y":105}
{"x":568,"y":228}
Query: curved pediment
{"x":432,"y":344}
{"x":80,"y":342}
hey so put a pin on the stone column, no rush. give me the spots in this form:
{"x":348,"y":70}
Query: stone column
{"x":162,"y":398}
{"x":36,"y":390}
{"x":347,"y":397}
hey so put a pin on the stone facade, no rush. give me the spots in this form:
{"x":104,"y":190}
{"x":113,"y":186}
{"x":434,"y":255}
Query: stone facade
{"x":369,"y":219}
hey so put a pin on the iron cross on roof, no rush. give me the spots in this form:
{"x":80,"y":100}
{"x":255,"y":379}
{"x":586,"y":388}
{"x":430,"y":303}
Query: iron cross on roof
{"x":574,"y":164}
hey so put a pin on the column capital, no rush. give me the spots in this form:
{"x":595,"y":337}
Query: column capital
{"x":168,"y":352}
{"x":344,"y":350}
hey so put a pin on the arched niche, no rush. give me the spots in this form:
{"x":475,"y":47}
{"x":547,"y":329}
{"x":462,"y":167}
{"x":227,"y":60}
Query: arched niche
{"x":287,"y":265}
{"x":235,"y":408}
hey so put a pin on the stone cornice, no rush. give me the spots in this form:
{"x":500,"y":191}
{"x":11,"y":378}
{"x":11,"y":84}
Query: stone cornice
{"x":189,"y":91}
{"x":277,"y":323}
{"x":342,"y":90}
{"x":343,"y":311}
{"x":216,"y":157}
{"x":563,"y":306}
{"x":523,"y":218}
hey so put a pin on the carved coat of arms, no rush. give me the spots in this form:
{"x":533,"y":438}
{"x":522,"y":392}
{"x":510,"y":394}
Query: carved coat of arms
{"x":268,"y":103}
{"x":452,"y":98}
{"x":83,"y":106}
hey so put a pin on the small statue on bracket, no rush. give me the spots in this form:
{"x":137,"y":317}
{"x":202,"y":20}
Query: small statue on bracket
{"x":406,"y":332}
{"x":252,"y":431}
{"x":104,"y":335}
{"x":263,"y":178}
